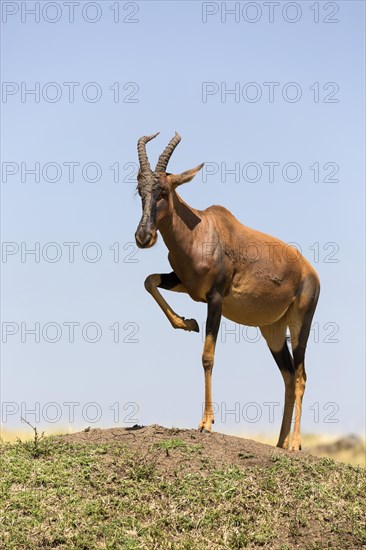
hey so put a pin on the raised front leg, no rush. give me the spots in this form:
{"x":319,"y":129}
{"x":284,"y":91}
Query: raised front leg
{"x":214,"y":304}
{"x":169,"y":281}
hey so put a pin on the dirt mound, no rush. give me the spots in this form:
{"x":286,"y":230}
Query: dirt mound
{"x":222,"y":449}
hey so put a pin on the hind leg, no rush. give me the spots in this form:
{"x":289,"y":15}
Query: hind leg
{"x":275,"y":336}
{"x":299,"y":329}
{"x":300,"y":383}
{"x":299,"y":319}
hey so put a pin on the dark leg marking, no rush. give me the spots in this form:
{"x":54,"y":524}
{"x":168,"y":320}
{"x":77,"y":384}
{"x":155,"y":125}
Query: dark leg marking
{"x":169,"y":280}
{"x":283,"y":359}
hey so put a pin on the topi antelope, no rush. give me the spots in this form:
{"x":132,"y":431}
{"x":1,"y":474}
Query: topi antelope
{"x":246,"y":276}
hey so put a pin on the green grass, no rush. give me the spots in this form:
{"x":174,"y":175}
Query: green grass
{"x":170,"y":444}
{"x":91,"y":496}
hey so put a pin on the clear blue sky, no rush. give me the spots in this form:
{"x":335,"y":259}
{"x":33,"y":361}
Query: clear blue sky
{"x":168,"y":54}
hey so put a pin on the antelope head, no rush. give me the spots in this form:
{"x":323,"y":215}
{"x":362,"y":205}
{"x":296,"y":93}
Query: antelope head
{"x":156,"y":189}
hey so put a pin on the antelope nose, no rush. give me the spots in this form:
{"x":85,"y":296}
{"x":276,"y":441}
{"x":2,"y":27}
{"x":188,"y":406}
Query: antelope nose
{"x":143,"y":238}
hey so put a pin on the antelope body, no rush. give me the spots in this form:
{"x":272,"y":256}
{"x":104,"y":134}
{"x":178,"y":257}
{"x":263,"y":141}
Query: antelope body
{"x":248,"y":277}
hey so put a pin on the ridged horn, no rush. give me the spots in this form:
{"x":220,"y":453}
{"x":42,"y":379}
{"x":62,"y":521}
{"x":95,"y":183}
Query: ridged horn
{"x":141,"y":150}
{"x":167,"y":153}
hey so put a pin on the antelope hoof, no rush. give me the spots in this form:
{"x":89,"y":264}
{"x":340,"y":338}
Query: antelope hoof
{"x":191,"y":325}
{"x":296,"y":447}
{"x":205,"y":424}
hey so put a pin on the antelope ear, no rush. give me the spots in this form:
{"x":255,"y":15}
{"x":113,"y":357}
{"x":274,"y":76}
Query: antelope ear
{"x":184,"y":177}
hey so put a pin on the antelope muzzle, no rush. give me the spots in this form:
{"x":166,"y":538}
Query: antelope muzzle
{"x":145,"y":237}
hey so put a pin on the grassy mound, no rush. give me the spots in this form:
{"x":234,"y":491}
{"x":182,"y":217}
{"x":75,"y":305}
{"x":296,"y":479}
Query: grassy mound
{"x":159,"y":488}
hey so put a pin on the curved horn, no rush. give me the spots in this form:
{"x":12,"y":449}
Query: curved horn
{"x":167,"y":153}
{"x":141,"y":150}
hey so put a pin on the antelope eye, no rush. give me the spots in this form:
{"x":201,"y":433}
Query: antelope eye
{"x":161,"y":194}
